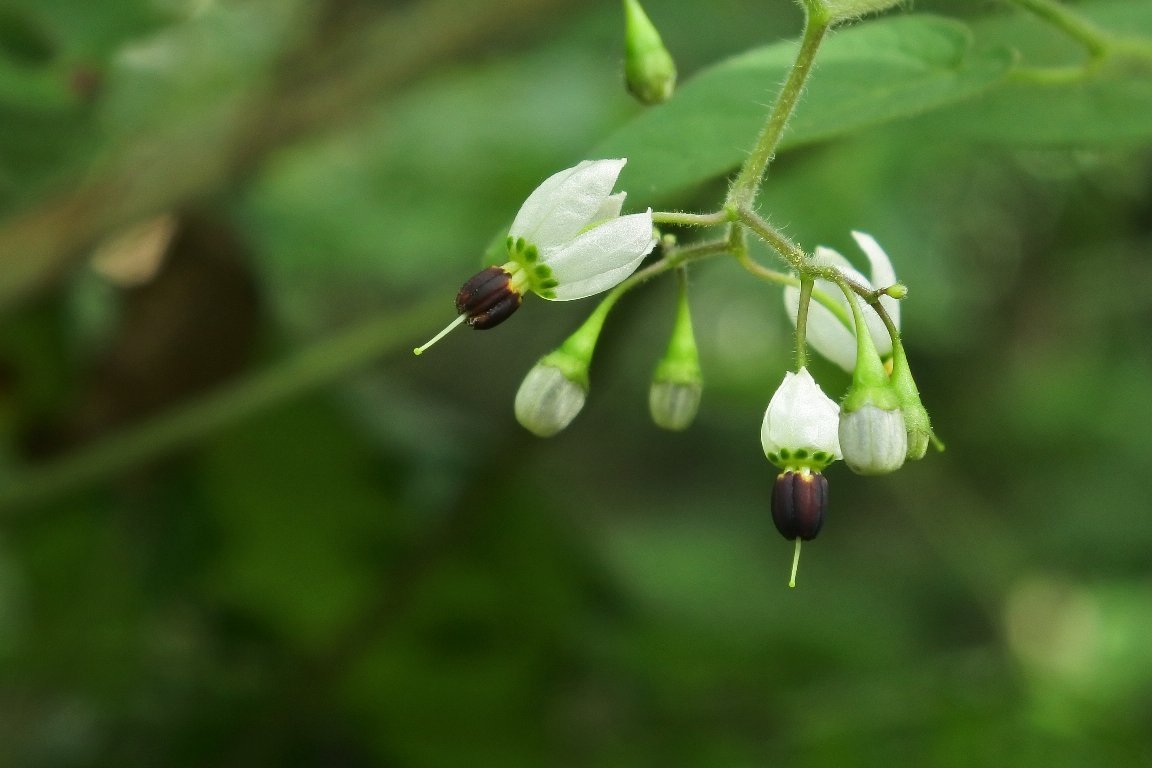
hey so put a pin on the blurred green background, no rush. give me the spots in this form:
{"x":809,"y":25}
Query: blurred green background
{"x":222,"y":543}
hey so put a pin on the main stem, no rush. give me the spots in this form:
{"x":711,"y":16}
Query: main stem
{"x":743,"y":189}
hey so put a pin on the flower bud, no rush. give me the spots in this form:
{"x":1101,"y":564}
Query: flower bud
{"x":674,"y":404}
{"x":554,"y":390}
{"x":551,"y":394}
{"x":799,"y":501}
{"x":872,"y":434}
{"x":677,"y":384}
{"x":916,"y":421}
{"x":649,"y":71}
{"x":873,"y":439}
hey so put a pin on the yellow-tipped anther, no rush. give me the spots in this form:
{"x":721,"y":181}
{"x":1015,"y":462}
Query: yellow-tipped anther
{"x":420,"y":350}
{"x":795,"y":563}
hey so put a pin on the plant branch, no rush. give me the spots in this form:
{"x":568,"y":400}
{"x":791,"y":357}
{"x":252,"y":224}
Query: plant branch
{"x":744,"y":188}
{"x":315,"y":367}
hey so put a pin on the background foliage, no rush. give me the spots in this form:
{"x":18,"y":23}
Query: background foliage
{"x":387,"y":570}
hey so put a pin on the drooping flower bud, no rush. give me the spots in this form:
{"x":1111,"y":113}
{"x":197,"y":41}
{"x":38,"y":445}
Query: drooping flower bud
{"x":568,"y":241}
{"x":917,"y":424}
{"x":649,"y":70}
{"x":872,"y":433}
{"x":552,"y":393}
{"x":677,"y":384}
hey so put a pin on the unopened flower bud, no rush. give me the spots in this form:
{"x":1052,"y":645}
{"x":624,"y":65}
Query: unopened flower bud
{"x":551,"y":394}
{"x":896,"y":290}
{"x":872,"y":434}
{"x":677,"y":384}
{"x":649,"y":70}
{"x":873,"y":439}
{"x":916,"y":421}
{"x":554,"y":390}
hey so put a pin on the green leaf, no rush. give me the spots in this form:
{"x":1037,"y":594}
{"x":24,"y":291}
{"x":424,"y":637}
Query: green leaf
{"x":1061,"y":104}
{"x":875,"y":73}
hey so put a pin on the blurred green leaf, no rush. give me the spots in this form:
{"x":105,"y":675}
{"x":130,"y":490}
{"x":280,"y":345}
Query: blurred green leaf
{"x":871,"y":74}
{"x":1110,"y":104}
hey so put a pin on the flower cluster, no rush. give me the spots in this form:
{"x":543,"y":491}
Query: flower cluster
{"x":569,"y":241}
{"x":879,"y":423}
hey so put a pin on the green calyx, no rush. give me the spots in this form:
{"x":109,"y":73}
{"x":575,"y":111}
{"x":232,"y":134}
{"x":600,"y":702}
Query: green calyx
{"x":681,"y":361}
{"x":870,"y":383}
{"x":916,"y":419}
{"x":574,"y":367}
{"x":649,"y":70}
{"x":573,"y":358}
{"x":538,"y":275}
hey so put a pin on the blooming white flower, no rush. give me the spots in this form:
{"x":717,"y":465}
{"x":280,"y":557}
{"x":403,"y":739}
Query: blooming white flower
{"x":568,"y":241}
{"x":800,"y":429}
{"x":827,"y":334}
{"x":570,"y":238}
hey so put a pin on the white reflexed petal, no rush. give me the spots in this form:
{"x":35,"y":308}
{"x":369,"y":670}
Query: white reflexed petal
{"x":826,"y":333}
{"x":883,"y":275}
{"x":565,"y":203}
{"x":799,"y":416}
{"x":610,"y":208}
{"x":601,"y":257}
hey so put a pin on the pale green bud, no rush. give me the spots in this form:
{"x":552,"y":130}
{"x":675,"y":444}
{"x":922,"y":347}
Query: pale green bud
{"x":673,"y":404}
{"x":916,"y":420}
{"x":873,"y":438}
{"x":649,"y":70}
{"x":552,"y":393}
{"x":677,"y":384}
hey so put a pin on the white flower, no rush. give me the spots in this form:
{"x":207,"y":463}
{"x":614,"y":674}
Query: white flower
{"x":826,"y":333}
{"x":800,"y":429}
{"x":570,"y":238}
{"x":568,"y":241}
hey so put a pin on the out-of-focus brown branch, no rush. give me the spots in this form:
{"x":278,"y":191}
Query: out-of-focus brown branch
{"x":336,"y":74}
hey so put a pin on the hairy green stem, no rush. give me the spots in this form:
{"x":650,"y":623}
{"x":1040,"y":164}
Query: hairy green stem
{"x":690,"y":219}
{"x":806,"y":285}
{"x":747,"y":182}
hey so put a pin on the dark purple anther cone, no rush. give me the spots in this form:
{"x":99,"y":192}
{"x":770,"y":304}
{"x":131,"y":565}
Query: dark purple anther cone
{"x":488,"y":298}
{"x":799,"y":500}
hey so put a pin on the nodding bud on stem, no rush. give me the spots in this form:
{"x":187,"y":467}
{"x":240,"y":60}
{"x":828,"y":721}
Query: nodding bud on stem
{"x":649,"y":70}
{"x":872,"y":434}
{"x":677,"y":384}
{"x":917,"y":423}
